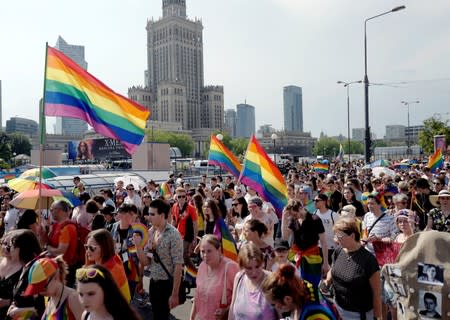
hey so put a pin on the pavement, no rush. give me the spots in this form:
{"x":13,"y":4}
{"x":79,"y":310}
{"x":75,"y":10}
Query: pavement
{"x":179,"y":313}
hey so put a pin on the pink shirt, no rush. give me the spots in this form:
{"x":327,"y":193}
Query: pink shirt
{"x":210,"y":288}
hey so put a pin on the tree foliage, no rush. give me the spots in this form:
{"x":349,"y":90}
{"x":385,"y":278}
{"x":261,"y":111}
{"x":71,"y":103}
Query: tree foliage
{"x":20,"y":143}
{"x":5,"y":147}
{"x":329,"y":147}
{"x":432,"y":127}
{"x":180,"y":140}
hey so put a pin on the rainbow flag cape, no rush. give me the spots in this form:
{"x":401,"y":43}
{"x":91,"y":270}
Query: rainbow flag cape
{"x":320,"y":167}
{"x":70,"y":91}
{"x":436,"y":161}
{"x":260,"y":173}
{"x":164,"y":191}
{"x":25,"y":315}
{"x":115,"y":266}
{"x":220,"y":155}
{"x":221,"y":231}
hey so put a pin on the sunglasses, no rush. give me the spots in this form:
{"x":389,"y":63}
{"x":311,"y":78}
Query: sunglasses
{"x":317,"y":200}
{"x":234,"y":204}
{"x":90,"y":248}
{"x":130,"y":189}
{"x":88,"y":273}
{"x":181,"y":197}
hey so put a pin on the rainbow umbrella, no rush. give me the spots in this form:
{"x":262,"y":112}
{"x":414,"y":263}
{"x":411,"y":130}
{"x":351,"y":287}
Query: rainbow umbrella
{"x":34,"y":172}
{"x":30,"y":199}
{"x":27,"y":183}
{"x":380,"y":163}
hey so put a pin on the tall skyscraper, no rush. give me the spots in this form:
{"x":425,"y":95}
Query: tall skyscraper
{"x":230,"y":122}
{"x":70,"y":126}
{"x":293,"y":109}
{"x":175,"y":64}
{"x":245,"y":120}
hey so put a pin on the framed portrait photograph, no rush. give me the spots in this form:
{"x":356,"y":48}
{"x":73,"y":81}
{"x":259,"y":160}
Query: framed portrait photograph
{"x":430,"y":305}
{"x":430,"y":274}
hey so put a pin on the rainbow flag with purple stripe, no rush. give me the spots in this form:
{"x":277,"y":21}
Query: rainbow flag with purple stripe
{"x":263,"y":175}
{"x":320,"y":167}
{"x":436,"y":160}
{"x":229,"y":248}
{"x":220,"y":155}
{"x":70,"y":91}
{"x":164,"y":190}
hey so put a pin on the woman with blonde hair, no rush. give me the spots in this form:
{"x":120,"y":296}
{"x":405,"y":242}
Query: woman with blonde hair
{"x":248,"y":301}
{"x":214,"y":281}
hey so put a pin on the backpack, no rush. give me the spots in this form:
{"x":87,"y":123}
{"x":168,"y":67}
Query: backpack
{"x":80,"y":252}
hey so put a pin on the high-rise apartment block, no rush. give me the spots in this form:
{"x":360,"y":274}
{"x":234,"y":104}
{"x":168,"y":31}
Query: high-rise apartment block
{"x":26,"y":126}
{"x":293,"y":109}
{"x":65,"y":125}
{"x":230,"y":122}
{"x":245,"y":120}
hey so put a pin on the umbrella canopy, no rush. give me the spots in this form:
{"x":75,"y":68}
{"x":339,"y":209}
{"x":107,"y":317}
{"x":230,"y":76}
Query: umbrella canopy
{"x":27,"y":183}
{"x":402,"y":166}
{"x":136,"y":181}
{"x":380,"y":163}
{"x":378,"y":170}
{"x":30,"y":199}
{"x":46,"y":173}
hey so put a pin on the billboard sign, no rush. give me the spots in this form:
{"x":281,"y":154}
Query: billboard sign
{"x":440,"y":143}
{"x":96,"y":150}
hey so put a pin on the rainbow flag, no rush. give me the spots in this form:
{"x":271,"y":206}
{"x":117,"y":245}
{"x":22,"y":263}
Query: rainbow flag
{"x":436,"y":161}
{"x":320,"y":167}
{"x":25,"y":315}
{"x":220,"y":155}
{"x":221,"y":231}
{"x":70,"y":91}
{"x":164,"y":190}
{"x":115,"y":266}
{"x":340,"y":156}
{"x":263,"y":175}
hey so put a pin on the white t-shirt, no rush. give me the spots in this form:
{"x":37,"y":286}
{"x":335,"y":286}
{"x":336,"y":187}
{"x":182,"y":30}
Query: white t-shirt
{"x":328,"y":222}
{"x":384,"y":228}
{"x":10,"y":219}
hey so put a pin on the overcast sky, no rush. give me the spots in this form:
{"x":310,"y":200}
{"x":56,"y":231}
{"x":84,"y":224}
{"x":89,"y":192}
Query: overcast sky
{"x":253,"y":48}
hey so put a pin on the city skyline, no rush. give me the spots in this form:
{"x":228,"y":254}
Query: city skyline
{"x":253,"y":49}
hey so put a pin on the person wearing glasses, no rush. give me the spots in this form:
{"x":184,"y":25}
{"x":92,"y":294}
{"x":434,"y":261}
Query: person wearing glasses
{"x":355,"y":275}
{"x":239,"y":210}
{"x":439,"y":218}
{"x":100,"y":297}
{"x":19,"y":249}
{"x":164,"y":254}
{"x":184,"y":218}
{"x":47,"y":278}
{"x":329,"y":218}
{"x":132,"y":197}
{"x":100,"y":250}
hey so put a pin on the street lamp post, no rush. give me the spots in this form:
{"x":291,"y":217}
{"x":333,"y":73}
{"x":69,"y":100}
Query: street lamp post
{"x":347,"y":85}
{"x":366,"y":84}
{"x":219,"y":137}
{"x":408,"y":141}
{"x":274,"y":138}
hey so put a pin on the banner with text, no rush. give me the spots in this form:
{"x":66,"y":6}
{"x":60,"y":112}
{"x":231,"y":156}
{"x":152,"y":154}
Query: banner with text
{"x":96,"y":149}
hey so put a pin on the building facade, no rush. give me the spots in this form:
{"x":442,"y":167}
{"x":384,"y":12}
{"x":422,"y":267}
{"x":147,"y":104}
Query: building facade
{"x":296,"y":144}
{"x":395,"y":132}
{"x":211,"y":110}
{"x":26,"y":126}
{"x":245,"y":120}
{"x":293,"y":108}
{"x":230,"y":122}
{"x":64,"y":125}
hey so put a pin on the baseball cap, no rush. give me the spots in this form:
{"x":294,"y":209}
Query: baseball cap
{"x":281,"y":244}
{"x":41,"y":270}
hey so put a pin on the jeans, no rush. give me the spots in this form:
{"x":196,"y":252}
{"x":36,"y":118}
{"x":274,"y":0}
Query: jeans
{"x":160,"y":292}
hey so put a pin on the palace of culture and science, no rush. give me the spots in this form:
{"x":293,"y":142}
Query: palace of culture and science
{"x":174,"y":90}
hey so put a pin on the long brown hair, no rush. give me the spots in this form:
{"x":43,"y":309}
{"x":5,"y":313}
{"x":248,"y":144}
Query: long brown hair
{"x":105,"y":241}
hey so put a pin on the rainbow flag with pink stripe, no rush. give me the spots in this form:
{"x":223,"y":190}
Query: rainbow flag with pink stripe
{"x":436,"y":160}
{"x":320,"y":167}
{"x":220,"y":155}
{"x":70,"y":91}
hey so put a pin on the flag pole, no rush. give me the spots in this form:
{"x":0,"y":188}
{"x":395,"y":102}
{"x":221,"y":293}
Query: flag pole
{"x":42,"y":131}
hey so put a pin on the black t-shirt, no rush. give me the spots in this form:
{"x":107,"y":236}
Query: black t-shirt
{"x":307,"y":233}
{"x":358,"y":206}
{"x":351,"y":274}
{"x":335,"y":200}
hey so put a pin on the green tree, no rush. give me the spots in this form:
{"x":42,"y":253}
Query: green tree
{"x":327,"y":147}
{"x":180,"y":140}
{"x":5,"y":147}
{"x":433,"y":126}
{"x":356,"y":147}
{"x":239,"y":146}
{"x":20,"y":143}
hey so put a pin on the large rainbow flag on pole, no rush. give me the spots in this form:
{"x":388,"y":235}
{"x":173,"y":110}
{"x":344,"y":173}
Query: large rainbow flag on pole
{"x":260,"y":173}
{"x":70,"y":91}
{"x":436,"y":160}
{"x":220,"y":155}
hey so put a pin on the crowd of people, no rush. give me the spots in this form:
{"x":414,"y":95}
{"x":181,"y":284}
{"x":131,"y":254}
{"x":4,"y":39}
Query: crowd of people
{"x":331,"y":234}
